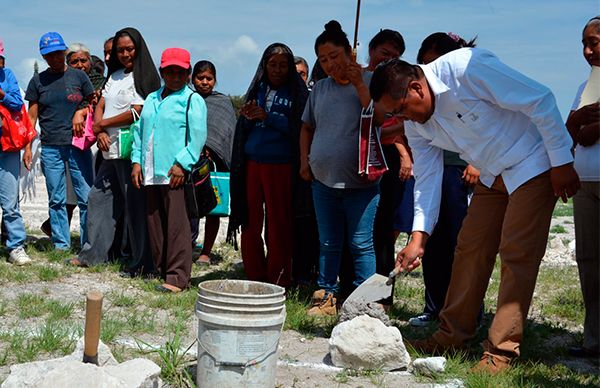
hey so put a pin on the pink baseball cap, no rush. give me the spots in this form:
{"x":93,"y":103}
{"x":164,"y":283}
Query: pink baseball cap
{"x":1,"y":48}
{"x":175,"y":57}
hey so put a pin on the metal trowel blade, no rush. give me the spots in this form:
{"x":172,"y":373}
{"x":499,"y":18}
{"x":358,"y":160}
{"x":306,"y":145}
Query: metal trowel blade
{"x":373,"y":289}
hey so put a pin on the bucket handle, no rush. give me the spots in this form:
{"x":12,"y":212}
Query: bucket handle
{"x":250,"y":362}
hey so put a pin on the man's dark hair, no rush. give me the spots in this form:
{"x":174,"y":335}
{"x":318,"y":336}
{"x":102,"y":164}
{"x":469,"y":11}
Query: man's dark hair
{"x":388,"y":36}
{"x":442,"y":43}
{"x":392,"y":77}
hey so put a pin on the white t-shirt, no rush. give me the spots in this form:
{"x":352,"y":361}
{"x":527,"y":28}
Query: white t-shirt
{"x":119,"y":95}
{"x":587,"y":159}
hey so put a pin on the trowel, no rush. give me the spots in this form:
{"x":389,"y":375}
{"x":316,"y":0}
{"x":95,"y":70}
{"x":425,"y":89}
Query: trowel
{"x":375,"y":288}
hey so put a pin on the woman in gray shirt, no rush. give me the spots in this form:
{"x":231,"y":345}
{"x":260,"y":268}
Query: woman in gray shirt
{"x":344,"y":202}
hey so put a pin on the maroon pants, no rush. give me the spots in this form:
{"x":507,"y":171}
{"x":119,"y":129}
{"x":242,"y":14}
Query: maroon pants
{"x":268,"y":191}
{"x":169,"y":232}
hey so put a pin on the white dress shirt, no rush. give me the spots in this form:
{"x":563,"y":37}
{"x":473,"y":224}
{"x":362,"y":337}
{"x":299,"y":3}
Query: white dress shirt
{"x":498,"y":120}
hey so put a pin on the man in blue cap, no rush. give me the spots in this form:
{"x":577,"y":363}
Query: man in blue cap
{"x":54,"y":96}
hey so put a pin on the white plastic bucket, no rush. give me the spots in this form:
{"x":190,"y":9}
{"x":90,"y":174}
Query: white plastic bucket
{"x":239,"y":325}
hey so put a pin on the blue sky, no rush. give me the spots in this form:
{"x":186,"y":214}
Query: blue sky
{"x":539,"y":38}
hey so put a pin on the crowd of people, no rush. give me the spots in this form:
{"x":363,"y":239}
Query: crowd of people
{"x":477,"y":155}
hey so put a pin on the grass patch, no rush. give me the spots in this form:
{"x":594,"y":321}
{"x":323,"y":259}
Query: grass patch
{"x":30,"y":305}
{"x":296,"y":305}
{"x":140,"y":322}
{"x":33,"y":305}
{"x":54,"y":337}
{"x":558,"y":229}
{"x":345,"y":376}
{"x":47,"y":274}
{"x":110,"y":329}
{"x":59,"y":311}
{"x":563,"y":209}
{"x":122,"y":300}
{"x":567,"y":303}
{"x":172,"y":360}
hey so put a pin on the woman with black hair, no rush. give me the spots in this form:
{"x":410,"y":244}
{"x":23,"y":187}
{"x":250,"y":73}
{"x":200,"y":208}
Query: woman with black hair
{"x":344,"y":202}
{"x":389,"y":44}
{"x":131,"y":77}
{"x":264,"y":165}
{"x":219,"y":140}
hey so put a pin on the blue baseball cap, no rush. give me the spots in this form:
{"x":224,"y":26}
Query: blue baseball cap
{"x":50,"y":42}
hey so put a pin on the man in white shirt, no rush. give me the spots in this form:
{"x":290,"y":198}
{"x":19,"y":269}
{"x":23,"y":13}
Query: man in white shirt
{"x":507,"y":126}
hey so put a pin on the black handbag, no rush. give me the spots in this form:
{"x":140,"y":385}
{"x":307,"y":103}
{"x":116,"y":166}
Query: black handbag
{"x":198,"y":190}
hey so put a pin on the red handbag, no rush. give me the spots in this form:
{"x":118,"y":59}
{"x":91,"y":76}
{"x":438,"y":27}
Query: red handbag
{"x":371,"y":162}
{"x":17,"y":130}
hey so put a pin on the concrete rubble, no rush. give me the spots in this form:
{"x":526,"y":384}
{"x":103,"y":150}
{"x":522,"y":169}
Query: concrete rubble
{"x":355,"y":308}
{"x":366,"y":343}
{"x":70,"y":371}
{"x":429,"y":366}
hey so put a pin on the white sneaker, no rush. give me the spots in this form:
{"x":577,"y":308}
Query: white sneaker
{"x":422,"y":320}
{"x":18,"y":256}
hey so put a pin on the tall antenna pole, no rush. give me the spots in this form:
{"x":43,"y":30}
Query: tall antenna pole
{"x":355,"y":45}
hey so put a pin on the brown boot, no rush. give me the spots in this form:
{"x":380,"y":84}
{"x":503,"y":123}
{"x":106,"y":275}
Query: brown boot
{"x":492,"y":363}
{"x":323,"y":304}
{"x":317,"y":296}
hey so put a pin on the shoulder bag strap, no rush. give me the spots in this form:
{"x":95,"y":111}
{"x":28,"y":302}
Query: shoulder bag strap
{"x":187,"y":123}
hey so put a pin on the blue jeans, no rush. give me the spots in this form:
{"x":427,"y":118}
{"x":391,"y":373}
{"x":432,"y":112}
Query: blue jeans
{"x":54,"y":160}
{"x":9,"y":199}
{"x":339,"y":211}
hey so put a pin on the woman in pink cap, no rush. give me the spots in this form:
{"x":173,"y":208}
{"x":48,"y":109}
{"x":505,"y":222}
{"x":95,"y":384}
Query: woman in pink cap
{"x":162,"y":153}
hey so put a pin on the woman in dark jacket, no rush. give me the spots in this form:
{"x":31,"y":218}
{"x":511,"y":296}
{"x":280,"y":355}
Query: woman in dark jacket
{"x":264,"y":166}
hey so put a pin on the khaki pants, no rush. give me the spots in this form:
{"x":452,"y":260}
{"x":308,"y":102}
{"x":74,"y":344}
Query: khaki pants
{"x":586,"y":204}
{"x":516,"y":226}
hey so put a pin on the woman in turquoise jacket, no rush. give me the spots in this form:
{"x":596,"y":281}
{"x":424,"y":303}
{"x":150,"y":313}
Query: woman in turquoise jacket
{"x":162,"y":153}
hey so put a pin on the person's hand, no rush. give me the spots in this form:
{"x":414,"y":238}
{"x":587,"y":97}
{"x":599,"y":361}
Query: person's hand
{"x":588,"y":114}
{"x":27,"y":157}
{"x":96,"y":98}
{"x":406,"y":168}
{"x":353,"y":73}
{"x":136,"y":175}
{"x":98,"y":126}
{"x":409,"y":257}
{"x":177,"y":176}
{"x":470,"y":175}
{"x":252,"y":111}
{"x":79,"y":122}
{"x":565,"y":181}
{"x":103,"y":141}
{"x":305,"y":171}
{"x":589,"y":134}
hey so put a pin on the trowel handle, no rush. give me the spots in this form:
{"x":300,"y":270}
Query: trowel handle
{"x":93,"y":314}
{"x":393,"y":275}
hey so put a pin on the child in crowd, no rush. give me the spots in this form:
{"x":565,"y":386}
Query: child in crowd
{"x":165,"y":147}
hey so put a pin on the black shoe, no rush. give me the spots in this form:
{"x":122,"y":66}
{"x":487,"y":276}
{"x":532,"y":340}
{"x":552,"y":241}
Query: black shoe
{"x":581,"y":352}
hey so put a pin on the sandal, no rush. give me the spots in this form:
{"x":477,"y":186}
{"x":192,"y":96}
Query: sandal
{"x":203,"y":260}
{"x":74,"y":262}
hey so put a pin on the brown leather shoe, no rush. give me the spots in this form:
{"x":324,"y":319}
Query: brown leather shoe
{"x":492,"y":363}
{"x":325,"y":305}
